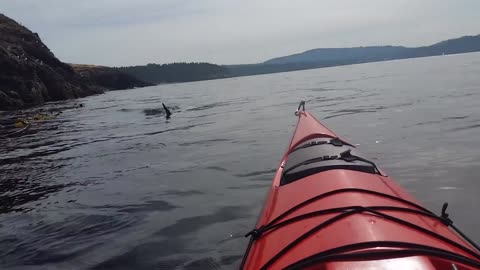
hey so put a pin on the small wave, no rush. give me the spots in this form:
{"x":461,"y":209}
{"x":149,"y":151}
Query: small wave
{"x":465,"y":128}
{"x":182,"y":193}
{"x":167,"y":264}
{"x":203,"y":142}
{"x":160,"y":111}
{"x":228,"y":260}
{"x":429,"y":122}
{"x":32,"y":191}
{"x":325,"y":99}
{"x":209,"y":106}
{"x":201,"y":115}
{"x":178,"y":128}
{"x":148,"y":206}
{"x":256,"y":173}
{"x":44,"y":152}
{"x":146,"y":256}
{"x":196,"y":223}
{"x":319,"y":89}
{"x":52,"y":242}
{"x":150,"y":100}
{"x":126,"y":110}
{"x":139,"y":146}
{"x":456,"y":117}
{"x":365,"y":78}
{"x":85,"y":226}
{"x":244,"y":187}
{"x":355,"y":111}
{"x":103,"y":108}
{"x":216,"y":168}
{"x":205,"y":263}
{"x":400,"y":105}
{"x":457,"y":95}
{"x":449,"y":188}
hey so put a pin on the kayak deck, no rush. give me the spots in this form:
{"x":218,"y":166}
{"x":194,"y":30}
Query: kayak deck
{"x":330,"y":208}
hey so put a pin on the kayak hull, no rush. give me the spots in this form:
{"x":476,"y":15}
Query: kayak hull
{"x":366,"y":218}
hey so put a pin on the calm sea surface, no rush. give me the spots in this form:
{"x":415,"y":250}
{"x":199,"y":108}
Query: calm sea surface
{"x":114,"y":185}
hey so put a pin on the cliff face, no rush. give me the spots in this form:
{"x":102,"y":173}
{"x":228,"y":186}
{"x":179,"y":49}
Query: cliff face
{"x":29,"y":72}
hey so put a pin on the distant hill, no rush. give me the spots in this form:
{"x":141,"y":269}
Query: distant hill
{"x":30,"y":74}
{"x":176,"y":72}
{"x":342,"y":54}
{"x":328,"y":57}
{"x":379,"y":53}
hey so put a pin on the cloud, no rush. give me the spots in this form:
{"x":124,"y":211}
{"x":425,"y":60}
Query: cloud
{"x":120,"y":32}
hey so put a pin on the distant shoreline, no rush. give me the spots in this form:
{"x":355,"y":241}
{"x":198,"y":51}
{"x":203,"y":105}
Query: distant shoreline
{"x":32,"y":75}
{"x":311,"y":59}
{"x":286,"y":71}
{"x":330,"y":57}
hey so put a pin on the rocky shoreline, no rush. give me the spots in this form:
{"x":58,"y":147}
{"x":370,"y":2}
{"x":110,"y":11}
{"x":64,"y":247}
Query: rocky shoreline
{"x":30,"y":74}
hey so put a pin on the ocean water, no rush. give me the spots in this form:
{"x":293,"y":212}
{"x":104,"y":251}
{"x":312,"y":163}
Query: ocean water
{"x":114,"y":185}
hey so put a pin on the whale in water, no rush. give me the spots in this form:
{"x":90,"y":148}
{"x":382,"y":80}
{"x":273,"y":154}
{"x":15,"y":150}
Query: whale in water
{"x":168,"y":113}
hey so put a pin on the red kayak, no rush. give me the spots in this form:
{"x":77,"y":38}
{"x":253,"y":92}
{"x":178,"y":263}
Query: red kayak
{"x":331,"y":208}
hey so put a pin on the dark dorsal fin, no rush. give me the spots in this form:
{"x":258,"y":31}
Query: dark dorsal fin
{"x":167,"y":111}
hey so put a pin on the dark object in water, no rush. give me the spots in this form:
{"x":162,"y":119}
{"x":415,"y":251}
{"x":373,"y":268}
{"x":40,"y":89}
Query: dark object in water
{"x":25,"y":126}
{"x":168,"y":113}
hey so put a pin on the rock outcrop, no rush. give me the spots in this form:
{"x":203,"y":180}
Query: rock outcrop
{"x":30,"y":74}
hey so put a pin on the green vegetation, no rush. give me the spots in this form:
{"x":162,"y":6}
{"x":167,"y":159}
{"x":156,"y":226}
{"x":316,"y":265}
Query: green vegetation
{"x":108,"y":78}
{"x":176,"y":72}
{"x":316,"y":58}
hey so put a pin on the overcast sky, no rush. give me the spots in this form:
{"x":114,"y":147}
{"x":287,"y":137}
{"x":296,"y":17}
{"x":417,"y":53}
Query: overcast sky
{"x":130,"y":32}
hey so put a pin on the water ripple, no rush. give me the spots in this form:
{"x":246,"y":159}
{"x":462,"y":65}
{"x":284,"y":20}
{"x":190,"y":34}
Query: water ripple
{"x":257,"y":173}
{"x":345,"y":112}
{"x":150,"y":255}
{"x":46,"y":242}
{"x":113,"y":185}
{"x":208,"y":106}
{"x":194,"y":224}
{"x":148,"y":206}
{"x":204,"y":142}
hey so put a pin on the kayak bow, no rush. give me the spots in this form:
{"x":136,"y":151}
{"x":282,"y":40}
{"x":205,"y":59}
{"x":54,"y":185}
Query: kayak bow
{"x":331,"y":208}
